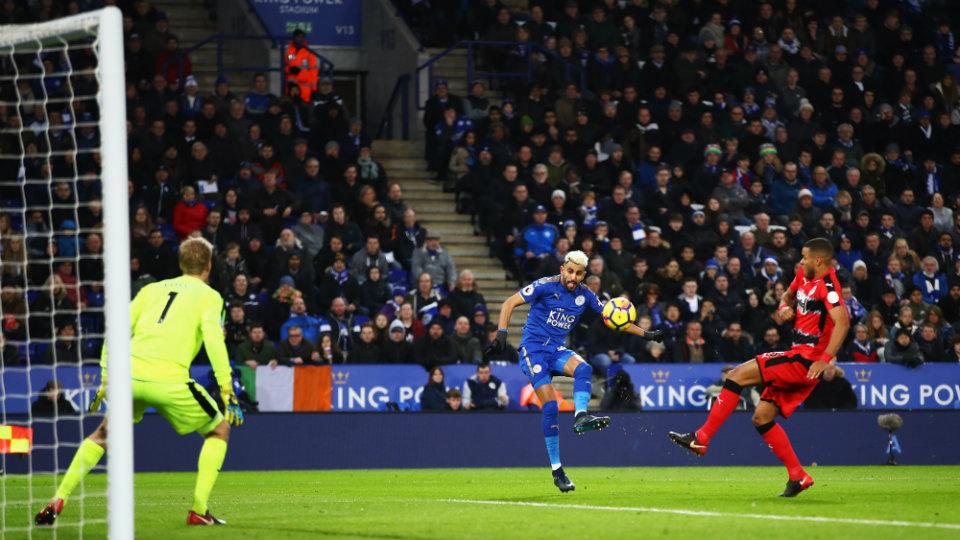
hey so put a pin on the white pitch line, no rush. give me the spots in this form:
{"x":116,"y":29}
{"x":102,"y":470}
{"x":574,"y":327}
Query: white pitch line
{"x":710,"y":513}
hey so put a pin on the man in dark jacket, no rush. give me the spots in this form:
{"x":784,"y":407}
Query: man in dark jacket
{"x":366,"y":350}
{"x":833,"y":392}
{"x":296,"y":351}
{"x":729,"y":304}
{"x":465,"y":345}
{"x":464,"y":298}
{"x":406,"y":237}
{"x":434,"y":349}
{"x":433,"y":111}
{"x":313,"y":189}
{"x":272,"y":205}
{"x":158,"y":259}
{"x":735,"y":347}
{"x":483,"y":391}
{"x":52,"y":401}
{"x":236,"y":328}
{"x":692,"y":348}
{"x":396,"y":349}
{"x":257,"y":350}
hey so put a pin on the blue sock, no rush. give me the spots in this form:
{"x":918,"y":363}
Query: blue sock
{"x":581,"y":387}
{"x":551,"y":433}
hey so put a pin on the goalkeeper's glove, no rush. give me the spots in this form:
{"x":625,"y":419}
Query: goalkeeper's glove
{"x":101,"y":393}
{"x":497,"y":345}
{"x":232,"y":412}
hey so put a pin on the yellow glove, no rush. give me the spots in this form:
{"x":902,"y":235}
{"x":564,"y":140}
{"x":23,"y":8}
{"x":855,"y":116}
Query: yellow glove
{"x":232,"y":412}
{"x":101,"y":393}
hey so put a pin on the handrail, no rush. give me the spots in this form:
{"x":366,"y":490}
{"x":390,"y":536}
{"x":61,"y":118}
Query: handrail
{"x":325,"y":65}
{"x":401,"y":90}
{"x":569,"y":67}
{"x":399,"y":12}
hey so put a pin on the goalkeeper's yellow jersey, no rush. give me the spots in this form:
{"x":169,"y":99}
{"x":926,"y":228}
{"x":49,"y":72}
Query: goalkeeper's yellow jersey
{"x":169,"y":321}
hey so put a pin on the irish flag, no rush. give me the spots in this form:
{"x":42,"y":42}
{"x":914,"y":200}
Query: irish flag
{"x":285,"y":389}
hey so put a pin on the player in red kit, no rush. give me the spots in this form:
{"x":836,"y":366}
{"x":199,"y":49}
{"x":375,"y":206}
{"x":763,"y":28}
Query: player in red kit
{"x":788,"y":377}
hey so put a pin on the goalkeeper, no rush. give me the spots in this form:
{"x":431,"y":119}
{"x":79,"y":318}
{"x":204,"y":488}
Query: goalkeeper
{"x":169,"y":320}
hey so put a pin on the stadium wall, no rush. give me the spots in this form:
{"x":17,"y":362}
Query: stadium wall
{"x":284,"y":441}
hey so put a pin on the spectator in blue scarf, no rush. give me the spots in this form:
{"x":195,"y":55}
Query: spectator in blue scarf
{"x":931,"y":281}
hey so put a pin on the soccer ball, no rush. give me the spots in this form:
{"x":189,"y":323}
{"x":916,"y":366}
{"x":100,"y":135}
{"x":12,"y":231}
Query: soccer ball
{"x":618,"y":313}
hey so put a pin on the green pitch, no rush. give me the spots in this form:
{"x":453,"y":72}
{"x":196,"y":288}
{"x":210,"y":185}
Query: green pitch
{"x":692,"y":502}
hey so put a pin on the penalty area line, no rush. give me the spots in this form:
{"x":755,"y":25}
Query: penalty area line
{"x":711,"y":513}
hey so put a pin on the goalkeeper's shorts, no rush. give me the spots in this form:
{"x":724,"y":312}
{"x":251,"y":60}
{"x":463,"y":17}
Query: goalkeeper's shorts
{"x":186,"y":405}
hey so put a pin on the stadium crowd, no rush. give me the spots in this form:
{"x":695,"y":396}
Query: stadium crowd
{"x":318,"y":257}
{"x":710,"y":140}
{"x":690,"y":147}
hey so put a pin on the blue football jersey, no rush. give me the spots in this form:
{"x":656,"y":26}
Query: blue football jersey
{"x":554,"y":310}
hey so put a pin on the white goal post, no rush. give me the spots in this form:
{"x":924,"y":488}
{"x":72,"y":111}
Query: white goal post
{"x":101,"y":30}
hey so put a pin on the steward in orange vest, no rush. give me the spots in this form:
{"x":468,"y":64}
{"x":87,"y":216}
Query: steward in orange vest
{"x":301,"y":67}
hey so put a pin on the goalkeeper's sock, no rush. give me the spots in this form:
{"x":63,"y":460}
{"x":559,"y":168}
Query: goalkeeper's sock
{"x":581,"y":387}
{"x":725,"y":404}
{"x":551,"y":433}
{"x":208,"y":468}
{"x":87,"y":456}
{"x":776,"y":438}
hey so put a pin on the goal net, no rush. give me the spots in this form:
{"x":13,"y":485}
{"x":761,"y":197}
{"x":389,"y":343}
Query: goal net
{"x":64,"y":243}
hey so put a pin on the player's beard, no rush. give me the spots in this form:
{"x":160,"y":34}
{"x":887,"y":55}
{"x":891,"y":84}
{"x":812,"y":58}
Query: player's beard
{"x":809,"y":273}
{"x":570,"y":284}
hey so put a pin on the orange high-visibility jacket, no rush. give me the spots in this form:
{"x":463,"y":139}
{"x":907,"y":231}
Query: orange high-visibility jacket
{"x":308,"y":69}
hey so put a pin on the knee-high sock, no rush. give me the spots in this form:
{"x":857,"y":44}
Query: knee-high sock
{"x":725,"y":404}
{"x":87,"y":456}
{"x":208,"y":467}
{"x":551,"y":433}
{"x":776,"y":438}
{"x":581,"y":387}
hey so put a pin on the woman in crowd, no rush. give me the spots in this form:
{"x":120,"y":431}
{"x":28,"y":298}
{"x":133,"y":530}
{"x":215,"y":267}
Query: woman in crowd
{"x":433,"y":397}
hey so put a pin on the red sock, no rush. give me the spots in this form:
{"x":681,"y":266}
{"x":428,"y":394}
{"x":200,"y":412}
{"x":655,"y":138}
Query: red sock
{"x":776,"y":438}
{"x":725,"y":404}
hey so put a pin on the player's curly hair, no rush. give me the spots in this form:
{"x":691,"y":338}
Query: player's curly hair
{"x":195,"y":255}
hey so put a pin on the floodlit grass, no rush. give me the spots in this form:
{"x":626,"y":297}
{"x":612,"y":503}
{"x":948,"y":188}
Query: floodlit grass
{"x":688,"y":502}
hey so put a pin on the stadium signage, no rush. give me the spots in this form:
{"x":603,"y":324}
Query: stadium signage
{"x":877,"y":386}
{"x":334,"y":23}
{"x":660,"y":387}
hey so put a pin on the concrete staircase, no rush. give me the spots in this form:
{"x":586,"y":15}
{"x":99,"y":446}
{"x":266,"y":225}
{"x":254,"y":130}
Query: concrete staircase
{"x":190,"y":22}
{"x":453,"y":68}
{"x":403,"y":161}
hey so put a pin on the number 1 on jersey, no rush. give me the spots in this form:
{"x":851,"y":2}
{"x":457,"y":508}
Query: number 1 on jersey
{"x":166,"y":308}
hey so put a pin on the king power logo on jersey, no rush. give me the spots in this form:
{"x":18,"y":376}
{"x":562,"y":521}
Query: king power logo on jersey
{"x":560,"y":319}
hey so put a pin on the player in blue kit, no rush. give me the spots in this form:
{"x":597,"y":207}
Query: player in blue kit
{"x":556,"y":302}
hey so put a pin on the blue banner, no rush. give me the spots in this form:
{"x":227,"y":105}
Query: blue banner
{"x":21,"y":385}
{"x":661,"y":387}
{"x":680,"y":387}
{"x":371,"y":387}
{"x":326,"y":22}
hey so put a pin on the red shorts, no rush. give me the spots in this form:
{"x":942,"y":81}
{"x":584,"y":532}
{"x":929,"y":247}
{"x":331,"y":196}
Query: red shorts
{"x":785,"y":381}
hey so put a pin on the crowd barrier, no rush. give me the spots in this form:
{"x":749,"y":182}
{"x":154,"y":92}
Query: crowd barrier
{"x":282,"y":441}
{"x":365,"y":388}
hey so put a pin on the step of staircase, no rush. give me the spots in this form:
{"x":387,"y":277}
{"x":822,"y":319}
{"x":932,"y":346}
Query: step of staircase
{"x":403,"y":161}
{"x":453,"y":68}
{"x":190,"y":22}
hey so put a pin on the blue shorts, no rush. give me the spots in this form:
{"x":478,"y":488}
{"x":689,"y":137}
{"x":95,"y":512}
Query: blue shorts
{"x":541,"y":362}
